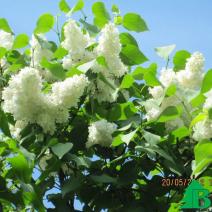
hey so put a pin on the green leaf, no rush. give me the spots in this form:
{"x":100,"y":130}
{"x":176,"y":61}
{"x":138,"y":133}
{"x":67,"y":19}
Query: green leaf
{"x":106,"y":81}
{"x":72,"y":184}
{"x":122,"y":111}
{"x":134,"y":22}
{"x":168,"y":114}
{"x":203,"y":157}
{"x":210,"y":113}
{"x":64,"y":7}
{"x":148,"y":74}
{"x":4,"y":25}
{"x":131,"y":55}
{"x":73,"y":71}
{"x":2,"y":52}
{"x":86,"y":66}
{"x":181,"y":132}
{"x":4,"y":124}
{"x":92,"y":29}
{"x":61,"y":149}
{"x":21,"y":167}
{"x":102,"y":61}
{"x":127,"y":81}
{"x":180,"y":59}
{"x":207,"y":82}
{"x":55,"y":68}
{"x":128,"y":137}
{"x":60,"y":53}
{"x":78,"y":6}
{"x":198,"y":100}
{"x":118,"y":20}
{"x":21,"y":41}
{"x":151,"y":138}
{"x":198,"y":118}
{"x":165,"y":51}
{"x":44,"y":24}
{"x":101,"y":16}
{"x":171,"y":90}
{"x":80,"y":160}
{"x":127,"y":38}
{"x":103,"y":179}
{"x":115,"y":9}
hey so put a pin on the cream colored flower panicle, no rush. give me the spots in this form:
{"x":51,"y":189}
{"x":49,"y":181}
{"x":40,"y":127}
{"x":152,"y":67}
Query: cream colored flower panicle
{"x":193,"y":74}
{"x":109,"y":46}
{"x":157,"y":92}
{"x":76,"y":43}
{"x":203,"y":130}
{"x":100,"y":132}
{"x":6,"y":40}
{"x":208,"y":101}
{"x":67,"y":93}
{"x":75,"y":40}
{"x":196,"y":62}
{"x":24,"y":98}
{"x":167,"y":77}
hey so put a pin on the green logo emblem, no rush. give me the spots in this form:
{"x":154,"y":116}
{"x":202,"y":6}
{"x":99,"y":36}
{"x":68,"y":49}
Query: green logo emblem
{"x":195,"y":196}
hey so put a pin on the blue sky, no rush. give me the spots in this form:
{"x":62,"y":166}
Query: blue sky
{"x":186,"y":23}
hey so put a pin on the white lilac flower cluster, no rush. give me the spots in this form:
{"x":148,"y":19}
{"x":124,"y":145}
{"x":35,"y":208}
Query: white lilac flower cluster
{"x":109,"y":47}
{"x":76,"y":43}
{"x":100,"y":132}
{"x":25,"y":100}
{"x":6,"y":40}
{"x":187,"y":83}
{"x":203,"y":129}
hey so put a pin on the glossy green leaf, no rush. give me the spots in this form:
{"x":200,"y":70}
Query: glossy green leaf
{"x":198,"y":100}
{"x":128,"y":137}
{"x":103,"y":179}
{"x":168,"y":114}
{"x":122,"y":111}
{"x":21,"y":167}
{"x":126,"y":38}
{"x":101,"y":16}
{"x":115,"y":9}
{"x":127,"y":81}
{"x":171,"y":90}
{"x":78,"y":6}
{"x":92,"y":29}
{"x":55,"y":68}
{"x":60,"y":149}
{"x":165,"y":51}
{"x":180,"y":59}
{"x":60,"y":53}
{"x":207,"y":82}
{"x":151,"y":138}
{"x":131,"y":55}
{"x":134,"y":22}
{"x":4,"y":124}
{"x":181,"y":132}
{"x":203,"y":156}
{"x":72,"y":184}
{"x":44,"y":24}
{"x":21,"y":41}
{"x":64,"y":7}
{"x":2,"y":52}
{"x":4,"y":25}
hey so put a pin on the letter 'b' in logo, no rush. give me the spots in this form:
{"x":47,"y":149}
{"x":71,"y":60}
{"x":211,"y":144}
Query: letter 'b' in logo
{"x":196,"y":197}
